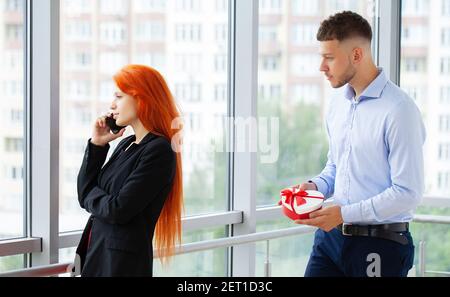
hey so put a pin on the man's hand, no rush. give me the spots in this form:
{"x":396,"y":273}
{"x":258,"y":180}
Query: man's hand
{"x":325,"y":219}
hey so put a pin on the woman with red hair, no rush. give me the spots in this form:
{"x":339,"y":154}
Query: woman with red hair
{"x":138,"y":193}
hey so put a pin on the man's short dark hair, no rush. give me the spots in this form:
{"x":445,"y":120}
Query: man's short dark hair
{"x":344,"y":25}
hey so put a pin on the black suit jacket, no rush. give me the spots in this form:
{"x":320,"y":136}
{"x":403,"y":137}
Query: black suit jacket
{"x":125,"y":199}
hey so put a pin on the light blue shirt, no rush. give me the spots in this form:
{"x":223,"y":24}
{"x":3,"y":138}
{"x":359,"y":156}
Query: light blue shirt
{"x":375,"y":169}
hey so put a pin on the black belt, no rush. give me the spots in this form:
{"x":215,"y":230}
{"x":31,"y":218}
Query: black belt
{"x":386,"y":231}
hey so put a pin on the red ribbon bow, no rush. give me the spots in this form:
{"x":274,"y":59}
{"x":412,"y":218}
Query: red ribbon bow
{"x":298,"y":197}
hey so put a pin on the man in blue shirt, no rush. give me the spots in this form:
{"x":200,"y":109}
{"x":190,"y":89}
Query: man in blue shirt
{"x":375,"y":161}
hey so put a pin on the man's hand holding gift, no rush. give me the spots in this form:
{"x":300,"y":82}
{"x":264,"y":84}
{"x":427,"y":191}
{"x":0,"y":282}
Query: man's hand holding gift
{"x":323,"y":218}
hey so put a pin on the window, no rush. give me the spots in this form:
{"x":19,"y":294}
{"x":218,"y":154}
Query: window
{"x":154,"y":59}
{"x":270,"y":6}
{"x":423,"y":77}
{"x":444,"y":151}
{"x":188,"y":63}
{"x":220,"y":63}
{"x":445,"y":65}
{"x":176,"y":47}
{"x":414,"y":65}
{"x":189,"y":92}
{"x":13,"y":145}
{"x":443,"y":180}
{"x":270,"y":62}
{"x":14,"y":6}
{"x":445,"y":95}
{"x":78,"y":90}
{"x":220,"y":92}
{"x":445,"y":37}
{"x":150,"y":31}
{"x":413,"y":34}
{"x":12,"y":196}
{"x":444,"y":123}
{"x":78,"y":30}
{"x":415,"y":7}
{"x":77,"y":7}
{"x":267,"y":33}
{"x":14,"y":32}
{"x":305,"y":8}
{"x":112,"y":61}
{"x":149,"y":6}
{"x":305,"y":64}
{"x":188,"y":32}
{"x":114,"y":7}
{"x":221,"y":33}
{"x":446,"y":8}
{"x":112,"y":33}
{"x":188,"y":6}
{"x":304,"y":34}
{"x":306,"y":93}
{"x":78,"y":60}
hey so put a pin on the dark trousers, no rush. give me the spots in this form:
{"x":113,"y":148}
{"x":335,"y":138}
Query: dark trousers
{"x":336,"y":255}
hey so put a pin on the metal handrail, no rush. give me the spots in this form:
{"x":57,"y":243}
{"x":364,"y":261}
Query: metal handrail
{"x":61,"y":268}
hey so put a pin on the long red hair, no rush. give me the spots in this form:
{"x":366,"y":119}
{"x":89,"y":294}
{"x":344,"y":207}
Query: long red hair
{"x":156,"y":109}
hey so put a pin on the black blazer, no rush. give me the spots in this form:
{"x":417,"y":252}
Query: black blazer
{"x":125,"y":198}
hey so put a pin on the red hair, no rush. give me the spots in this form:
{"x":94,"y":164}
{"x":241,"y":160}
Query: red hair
{"x":156,"y":109}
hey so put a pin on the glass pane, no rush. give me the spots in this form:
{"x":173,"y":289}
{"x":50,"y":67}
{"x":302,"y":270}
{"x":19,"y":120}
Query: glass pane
{"x":175,"y":37}
{"x":425,"y":76}
{"x":209,"y":263}
{"x":293,"y":90}
{"x":11,"y":263}
{"x":205,"y":263}
{"x":437,"y":241}
{"x":288,"y":256}
{"x":12,"y":109}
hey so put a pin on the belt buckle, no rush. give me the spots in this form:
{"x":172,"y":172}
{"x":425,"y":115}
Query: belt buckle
{"x":345,"y":230}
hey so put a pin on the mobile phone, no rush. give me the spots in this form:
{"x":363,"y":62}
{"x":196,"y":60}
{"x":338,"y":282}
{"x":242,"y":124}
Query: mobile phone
{"x":111,"y":122}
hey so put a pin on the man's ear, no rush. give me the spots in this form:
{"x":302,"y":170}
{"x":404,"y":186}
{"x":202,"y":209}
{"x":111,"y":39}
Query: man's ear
{"x":357,"y":55}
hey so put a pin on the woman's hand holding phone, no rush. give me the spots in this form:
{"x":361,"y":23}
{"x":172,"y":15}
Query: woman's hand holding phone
{"x":101,"y":134}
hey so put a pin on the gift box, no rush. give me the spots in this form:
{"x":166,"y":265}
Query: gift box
{"x":297,"y":204}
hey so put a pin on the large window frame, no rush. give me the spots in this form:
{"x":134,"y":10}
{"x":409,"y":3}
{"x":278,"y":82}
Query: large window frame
{"x":43,"y":240}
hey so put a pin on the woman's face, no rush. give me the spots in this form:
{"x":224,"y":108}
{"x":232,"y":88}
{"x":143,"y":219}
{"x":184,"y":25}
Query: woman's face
{"x":124,"y":108}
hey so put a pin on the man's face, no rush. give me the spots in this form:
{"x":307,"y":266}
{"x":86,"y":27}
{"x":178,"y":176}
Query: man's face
{"x":336,"y":62}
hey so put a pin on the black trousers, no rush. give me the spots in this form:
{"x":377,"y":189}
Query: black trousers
{"x":336,"y":255}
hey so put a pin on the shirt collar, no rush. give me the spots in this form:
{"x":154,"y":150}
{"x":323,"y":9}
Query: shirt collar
{"x":373,"y":90}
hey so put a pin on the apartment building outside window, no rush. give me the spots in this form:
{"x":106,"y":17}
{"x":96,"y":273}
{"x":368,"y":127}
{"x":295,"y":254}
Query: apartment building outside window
{"x":149,"y":5}
{"x":445,"y":95}
{"x":446,"y":8}
{"x":78,"y":30}
{"x":305,"y":8}
{"x":188,"y":32}
{"x":149,"y":30}
{"x":444,"y":151}
{"x":188,"y":6}
{"x":114,"y":7}
{"x":444,"y":123}
{"x":415,"y":7}
{"x":304,"y":34}
{"x":113,"y":33}
{"x":445,"y":65}
{"x":445,"y":37}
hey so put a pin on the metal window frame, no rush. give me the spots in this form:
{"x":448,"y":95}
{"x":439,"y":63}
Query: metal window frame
{"x":43,"y":108}
{"x":389,"y":38}
{"x":244,"y":98}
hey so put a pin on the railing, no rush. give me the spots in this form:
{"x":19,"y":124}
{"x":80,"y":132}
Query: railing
{"x":63,"y":268}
